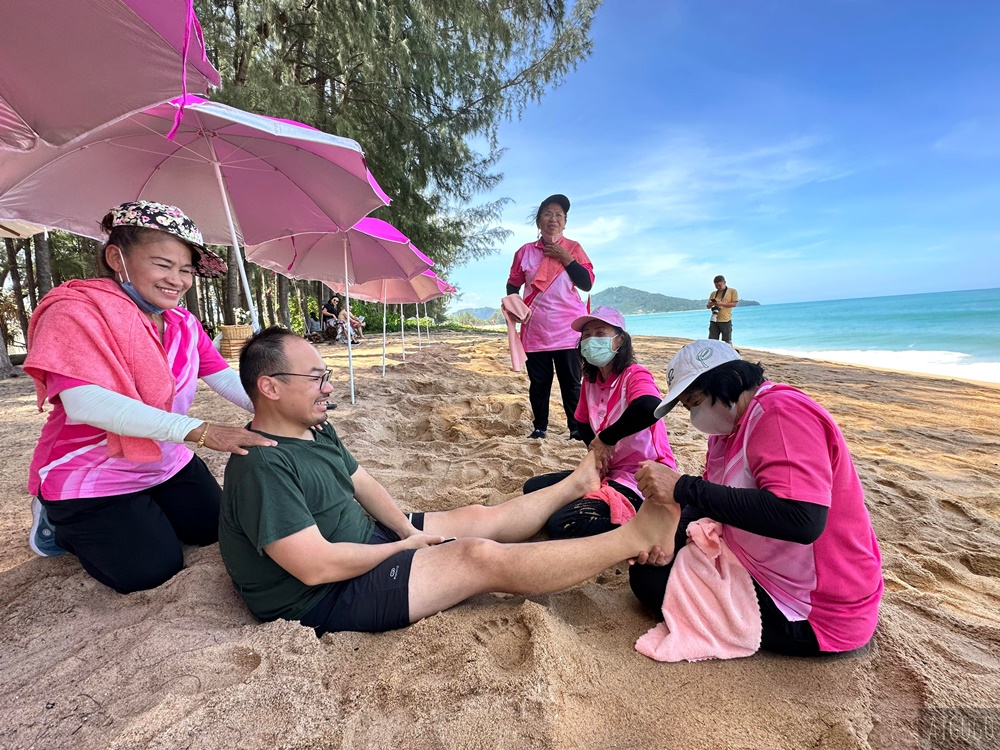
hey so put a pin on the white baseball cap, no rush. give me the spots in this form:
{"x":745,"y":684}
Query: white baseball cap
{"x":691,"y":361}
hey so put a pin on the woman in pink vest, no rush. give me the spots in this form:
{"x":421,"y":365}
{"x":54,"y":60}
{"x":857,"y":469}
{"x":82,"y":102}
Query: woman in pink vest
{"x":780,"y":479}
{"x":616,"y":420}
{"x":552,"y":269}
{"x":112,"y":479}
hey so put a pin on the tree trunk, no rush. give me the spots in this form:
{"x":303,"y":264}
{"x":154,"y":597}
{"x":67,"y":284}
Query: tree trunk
{"x":29,"y":275}
{"x":232,"y":289}
{"x":284,"y":317}
{"x":269,"y":296}
{"x":43,"y":263}
{"x":257,"y":284}
{"x":6,"y":367}
{"x":15,"y":279}
{"x":191,"y":301}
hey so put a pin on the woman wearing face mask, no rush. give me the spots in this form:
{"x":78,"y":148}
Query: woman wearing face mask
{"x":551,"y":269}
{"x":112,"y":478}
{"x":616,"y":419}
{"x":780,"y":479}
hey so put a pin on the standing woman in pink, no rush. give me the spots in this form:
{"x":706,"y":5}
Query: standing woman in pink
{"x":112,"y":479}
{"x":552,"y":269}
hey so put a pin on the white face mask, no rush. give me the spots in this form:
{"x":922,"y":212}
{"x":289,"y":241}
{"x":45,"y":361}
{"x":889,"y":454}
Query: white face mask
{"x":713,"y":419}
{"x":597,"y":350}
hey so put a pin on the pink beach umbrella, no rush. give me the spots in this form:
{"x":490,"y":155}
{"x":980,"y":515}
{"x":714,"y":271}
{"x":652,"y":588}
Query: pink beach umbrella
{"x":239,"y":176}
{"x":423,"y":288}
{"x":69,"y":66}
{"x":371,"y":249}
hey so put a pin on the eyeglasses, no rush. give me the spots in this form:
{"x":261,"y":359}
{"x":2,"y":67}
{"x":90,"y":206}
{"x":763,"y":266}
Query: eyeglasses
{"x":321,"y":379}
{"x":550,"y":215}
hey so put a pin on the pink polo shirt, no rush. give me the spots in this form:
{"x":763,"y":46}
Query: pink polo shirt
{"x":602,"y":404}
{"x":787,"y":443}
{"x":553,"y":310}
{"x":71,"y":459}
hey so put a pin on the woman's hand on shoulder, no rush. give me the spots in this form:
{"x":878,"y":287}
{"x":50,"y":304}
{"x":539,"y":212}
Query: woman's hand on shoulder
{"x":226,"y":439}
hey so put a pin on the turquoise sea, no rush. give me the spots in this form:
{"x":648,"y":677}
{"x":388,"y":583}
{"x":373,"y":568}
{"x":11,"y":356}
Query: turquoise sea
{"x":955,"y":334}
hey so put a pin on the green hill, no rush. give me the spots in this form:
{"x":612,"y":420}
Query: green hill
{"x":626,"y":300}
{"x":630,"y":301}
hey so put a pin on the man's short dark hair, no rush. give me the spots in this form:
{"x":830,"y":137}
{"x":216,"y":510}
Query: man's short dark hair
{"x":726,"y":382}
{"x":262,"y":354}
{"x":719,"y":278}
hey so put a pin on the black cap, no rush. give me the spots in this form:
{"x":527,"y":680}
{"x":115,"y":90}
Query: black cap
{"x":559,"y":198}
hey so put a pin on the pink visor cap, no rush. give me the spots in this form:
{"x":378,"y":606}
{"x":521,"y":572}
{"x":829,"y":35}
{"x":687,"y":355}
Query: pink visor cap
{"x":604,"y":314}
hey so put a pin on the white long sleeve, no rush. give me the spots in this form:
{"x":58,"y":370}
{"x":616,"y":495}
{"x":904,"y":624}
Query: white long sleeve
{"x":107,"y":410}
{"x":227,"y":384}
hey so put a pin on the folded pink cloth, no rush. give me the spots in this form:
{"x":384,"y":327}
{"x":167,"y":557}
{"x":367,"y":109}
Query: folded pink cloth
{"x":90,"y":330}
{"x":622,"y":511}
{"x":515,"y":311}
{"x":710,"y":610}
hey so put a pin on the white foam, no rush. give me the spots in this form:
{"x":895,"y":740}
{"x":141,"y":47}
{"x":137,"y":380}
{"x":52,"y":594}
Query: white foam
{"x":948,"y":364}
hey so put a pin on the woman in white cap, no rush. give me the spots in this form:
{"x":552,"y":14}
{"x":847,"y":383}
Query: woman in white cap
{"x":616,"y":419}
{"x":780,"y":479}
{"x":551,"y":269}
{"x":112,"y":479}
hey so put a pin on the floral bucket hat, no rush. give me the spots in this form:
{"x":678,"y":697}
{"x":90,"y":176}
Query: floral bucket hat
{"x":170,"y":219}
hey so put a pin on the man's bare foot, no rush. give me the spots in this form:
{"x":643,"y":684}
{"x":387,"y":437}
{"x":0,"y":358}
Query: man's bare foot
{"x":655,"y":525}
{"x":585,"y":477}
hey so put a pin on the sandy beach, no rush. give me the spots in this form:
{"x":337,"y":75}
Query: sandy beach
{"x":187,"y":666}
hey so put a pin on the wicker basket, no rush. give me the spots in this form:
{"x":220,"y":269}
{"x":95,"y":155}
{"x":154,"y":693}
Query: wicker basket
{"x":230,"y":349}
{"x":236,"y":333}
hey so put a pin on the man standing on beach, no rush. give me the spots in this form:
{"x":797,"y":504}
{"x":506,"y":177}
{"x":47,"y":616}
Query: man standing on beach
{"x":721,"y":303}
{"x":307,"y":534}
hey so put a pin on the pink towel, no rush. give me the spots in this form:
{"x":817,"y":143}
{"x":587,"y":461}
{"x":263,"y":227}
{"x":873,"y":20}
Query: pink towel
{"x":105,"y":341}
{"x":622,"y":511}
{"x":710,"y":610}
{"x":515,"y":311}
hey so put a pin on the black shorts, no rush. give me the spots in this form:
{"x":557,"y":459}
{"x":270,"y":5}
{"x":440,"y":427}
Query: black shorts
{"x":373,"y":602}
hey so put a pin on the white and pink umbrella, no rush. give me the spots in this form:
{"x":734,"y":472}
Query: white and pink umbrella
{"x":423,"y":288}
{"x":239,"y":176}
{"x":70,"y":66}
{"x":371,"y":249}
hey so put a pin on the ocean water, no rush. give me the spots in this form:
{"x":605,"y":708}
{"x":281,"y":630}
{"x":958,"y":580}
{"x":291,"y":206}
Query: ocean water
{"x":956,"y":334}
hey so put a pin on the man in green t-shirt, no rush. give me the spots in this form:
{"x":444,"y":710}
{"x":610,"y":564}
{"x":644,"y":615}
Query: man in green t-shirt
{"x":307,"y":534}
{"x":721,"y":303}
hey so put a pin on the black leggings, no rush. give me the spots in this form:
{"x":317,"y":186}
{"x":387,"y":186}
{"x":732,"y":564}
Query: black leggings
{"x":133,"y":542}
{"x":649,"y":583}
{"x":583,"y":517}
{"x":539,"y":366}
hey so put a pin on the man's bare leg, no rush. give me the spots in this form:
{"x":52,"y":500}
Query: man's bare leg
{"x":519,"y":518}
{"x":447,"y":574}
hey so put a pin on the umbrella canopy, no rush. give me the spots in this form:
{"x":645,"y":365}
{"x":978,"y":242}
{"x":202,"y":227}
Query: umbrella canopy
{"x":375,"y":250}
{"x":237,"y":175}
{"x":69,"y":66}
{"x":422,"y":288}
{"x":19,"y":229}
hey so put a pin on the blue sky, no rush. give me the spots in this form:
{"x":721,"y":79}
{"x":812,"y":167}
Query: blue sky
{"x":807,"y":150}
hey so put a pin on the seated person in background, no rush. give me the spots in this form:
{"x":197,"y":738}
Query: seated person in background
{"x":312,"y":324}
{"x":330,"y":313}
{"x":356,"y":324}
{"x":307,"y":534}
{"x":780,"y":479}
{"x":616,"y":420}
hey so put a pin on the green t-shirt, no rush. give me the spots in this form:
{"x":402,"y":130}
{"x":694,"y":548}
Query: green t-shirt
{"x":274,"y":492}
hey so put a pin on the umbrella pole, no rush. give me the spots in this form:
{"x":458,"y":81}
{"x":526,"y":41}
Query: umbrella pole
{"x":402,"y":330}
{"x":384,"y":311}
{"x":232,"y":234}
{"x":347,"y":306}
{"x":416,"y":308}
{"x":428,"y":326}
